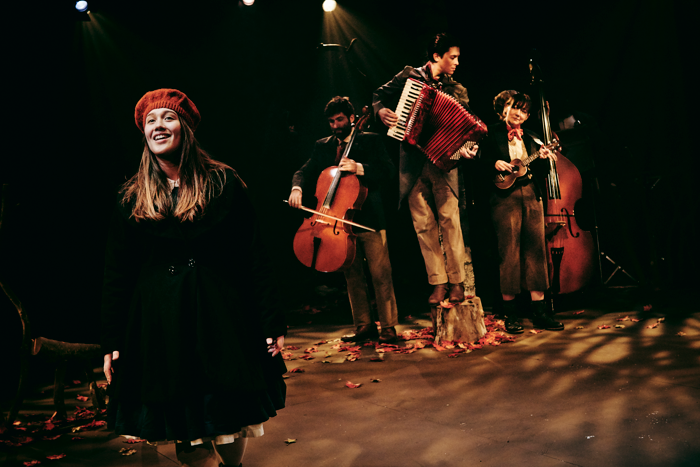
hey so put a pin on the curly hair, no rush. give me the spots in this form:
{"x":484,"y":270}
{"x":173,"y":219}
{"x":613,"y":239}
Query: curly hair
{"x":339,"y":105}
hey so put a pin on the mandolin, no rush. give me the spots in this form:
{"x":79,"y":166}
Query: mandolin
{"x":506,"y":180}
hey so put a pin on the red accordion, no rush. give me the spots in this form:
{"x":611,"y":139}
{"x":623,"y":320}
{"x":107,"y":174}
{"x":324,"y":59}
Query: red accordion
{"x":435,"y":123}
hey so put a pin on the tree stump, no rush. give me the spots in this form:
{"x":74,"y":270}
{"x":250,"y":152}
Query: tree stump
{"x":463,"y":322}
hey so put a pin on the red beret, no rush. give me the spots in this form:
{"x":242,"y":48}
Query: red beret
{"x":167,"y":99}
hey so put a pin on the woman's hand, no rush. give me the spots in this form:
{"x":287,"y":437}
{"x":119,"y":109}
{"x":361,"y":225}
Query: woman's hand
{"x":469,"y":153}
{"x":503,"y":166}
{"x":388,"y":117}
{"x":109,"y":358}
{"x":275,"y":347}
{"x":545,"y":153}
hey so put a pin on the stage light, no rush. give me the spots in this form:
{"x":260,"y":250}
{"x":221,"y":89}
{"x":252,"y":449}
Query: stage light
{"x":329,"y":5}
{"x":248,"y":2}
{"x":81,"y":6}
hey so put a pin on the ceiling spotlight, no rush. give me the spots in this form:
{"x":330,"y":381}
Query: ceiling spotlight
{"x":329,"y":5}
{"x":248,"y":2}
{"x":81,"y":6}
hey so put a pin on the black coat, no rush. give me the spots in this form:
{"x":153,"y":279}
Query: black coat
{"x":189,"y":304}
{"x":412,"y":159}
{"x":368,"y":150}
{"x":495,"y":148}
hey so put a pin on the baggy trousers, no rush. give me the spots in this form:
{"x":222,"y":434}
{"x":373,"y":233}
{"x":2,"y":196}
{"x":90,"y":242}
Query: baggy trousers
{"x":372,"y":246}
{"x":431,"y":189}
{"x":518,"y":218}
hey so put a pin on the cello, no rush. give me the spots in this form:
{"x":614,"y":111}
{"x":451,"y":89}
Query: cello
{"x":325,"y":241}
{"x":570,"y":250}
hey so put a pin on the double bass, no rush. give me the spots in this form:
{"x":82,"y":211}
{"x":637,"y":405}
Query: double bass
{"x":325,"y":241}
{"x":570,"y":250}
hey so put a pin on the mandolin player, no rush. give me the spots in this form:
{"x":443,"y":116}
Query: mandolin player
{"x":517,"y":211}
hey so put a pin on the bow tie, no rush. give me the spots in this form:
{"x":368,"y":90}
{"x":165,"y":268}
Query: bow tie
{"x":515,"y":133}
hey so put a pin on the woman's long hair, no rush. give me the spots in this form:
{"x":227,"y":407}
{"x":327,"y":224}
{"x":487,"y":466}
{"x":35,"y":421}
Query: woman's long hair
{"x":201,"y":179}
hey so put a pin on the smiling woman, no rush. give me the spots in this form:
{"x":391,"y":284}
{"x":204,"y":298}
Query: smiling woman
{"x":191,"y":327}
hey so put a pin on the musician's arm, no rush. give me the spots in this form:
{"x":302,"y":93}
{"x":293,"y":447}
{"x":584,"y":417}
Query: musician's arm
{"x":309,"y":171}
{"x":387,"y":94}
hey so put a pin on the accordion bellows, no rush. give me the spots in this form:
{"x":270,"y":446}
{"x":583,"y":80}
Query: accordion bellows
{"x":437,"y":125}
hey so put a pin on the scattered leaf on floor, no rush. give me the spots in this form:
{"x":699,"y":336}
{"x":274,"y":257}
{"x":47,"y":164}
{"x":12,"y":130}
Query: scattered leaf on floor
{"x":82,"y":398}
{"x":51,"y":438}
{"x":56,"y":456}
{"x":297,"y":370}
{"x":578,"y":312}
{"x":626,"y":318}
{"x":536,"y":331}
{"x":291,"y":347}
{"x":30,"y":463}
{"x":135,"y":440}
{"x":289,"y":441}
{"x":453,"y":355}
{"x":376,"y":359}
{"x":604,"y":326}
{"x":76,"y":438}
{"x":127,"y":451}
{"x":352,"y":385}
{"x":656,"y":324}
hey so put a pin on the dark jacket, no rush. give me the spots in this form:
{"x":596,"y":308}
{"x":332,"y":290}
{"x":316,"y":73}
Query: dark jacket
{"x":189,"y":304}
{"x":411,"y":158}
{"x":495,"y":147}
{"x":368,"y":150}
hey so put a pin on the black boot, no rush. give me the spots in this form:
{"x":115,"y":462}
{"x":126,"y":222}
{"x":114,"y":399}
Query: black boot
{"x":513,"y":323}
{"x":541,"y":317}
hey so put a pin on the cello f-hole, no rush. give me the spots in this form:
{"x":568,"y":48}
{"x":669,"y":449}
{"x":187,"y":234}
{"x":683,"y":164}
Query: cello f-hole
{"x":568,"y":220}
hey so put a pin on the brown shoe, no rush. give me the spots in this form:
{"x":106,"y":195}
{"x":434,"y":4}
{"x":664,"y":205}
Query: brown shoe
{"x":438,"y":294}
{"x":362,"y":333}
{"x":387,"y":336}
{"x":456,"y":293}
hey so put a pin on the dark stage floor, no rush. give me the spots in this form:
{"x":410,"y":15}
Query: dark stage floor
{"x":584,"y":396}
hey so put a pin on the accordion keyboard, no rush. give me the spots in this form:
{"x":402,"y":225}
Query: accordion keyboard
{"x":411,"y":92}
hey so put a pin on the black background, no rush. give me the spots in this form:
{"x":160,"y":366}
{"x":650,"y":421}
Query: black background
{"x":253,"y":72}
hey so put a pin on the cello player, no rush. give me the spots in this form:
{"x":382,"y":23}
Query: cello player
{"x":517,"y":212}
{"x":370,"y":162}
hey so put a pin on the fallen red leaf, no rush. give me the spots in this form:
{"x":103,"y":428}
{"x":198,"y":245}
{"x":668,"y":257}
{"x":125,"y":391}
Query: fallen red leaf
{"x":352,"y":385}
{"x":453,"y":355}
{"x":438,"y":347}
{"x":16,"y":423}
{"x":578,"y":312}
{"x":376,"y":359}
{"x":311,"y":350}
{"x":352,"y":357}
{"x":291,"y":347}
{"x":634,"y":320}
{"x":82,"y":398}
{"x":603,"y":326}
{"x":30,"y":463}
{"x":656,"y":324}
{"x":626,"y":318}
{"x":52,"y":438}
{"x":408,"y":317}
{"x":307,"y":357}
{"x":297,"y":370}
{"x":288,"y":356}
{"x":76,"y":438}
{"x":322,"y":342}
{"x":56,"y":456}
{"x":536,"y":331}
{"x":20,"y":428}
{"x":134,"y":441}
{"x":447,"y":304}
